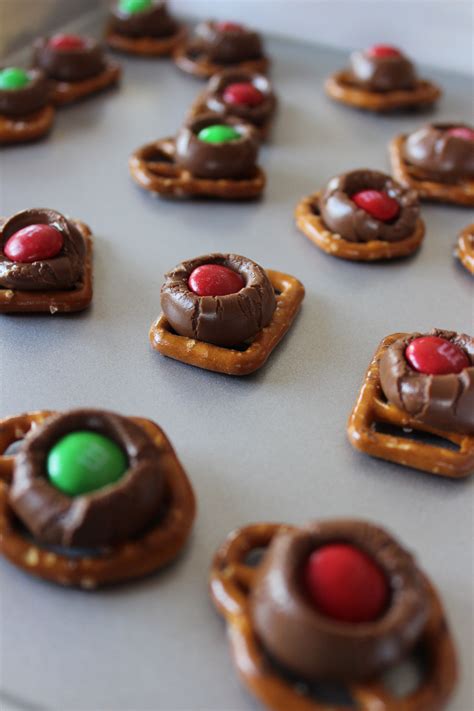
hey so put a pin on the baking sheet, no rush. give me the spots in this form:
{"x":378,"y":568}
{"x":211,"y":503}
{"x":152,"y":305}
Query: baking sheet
{"x":268,"y":447}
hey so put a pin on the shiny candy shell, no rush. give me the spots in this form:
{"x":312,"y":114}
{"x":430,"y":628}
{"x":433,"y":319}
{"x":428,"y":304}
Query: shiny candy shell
{"x":85,"y":461}
{"x":214,"y":280}
{"x":13,"y":78}
{"x":34,"y":243}
{"x":467,"y":134}
{"x":433,"y":355}
{"x":66,"y":42}
{"x":133,"y":6}
{"x":344,"y":583}
{"x":243,"y":94}
{"x":218,"y":133}
{"x":383,"y":50}
{"x":378,"y":204}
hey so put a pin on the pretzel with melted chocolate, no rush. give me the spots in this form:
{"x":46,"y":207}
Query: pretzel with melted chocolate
{"x":339,"y":87}
{"x":372,"y":407}
{"x":25,"y":299}
{"x":460,"y":192}
{"x":154,"y":548}
{"x":289,"y":293}
{"x":26,"y":114}
{"x":150,"y":33}
{"x":465,"y":248}
{"x":232,"y":582}
{"x":310,"y":223}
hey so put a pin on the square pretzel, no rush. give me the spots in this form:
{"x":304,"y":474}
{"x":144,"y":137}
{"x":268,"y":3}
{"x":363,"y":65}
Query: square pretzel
{"x":153,"y":168}
{"x":372,"y":407}
{"x":54,"y":301}
{"x":231,"y":361}
{"x":460,"y":193}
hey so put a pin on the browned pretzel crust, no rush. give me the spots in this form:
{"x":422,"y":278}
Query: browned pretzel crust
{"x":152,"y":166}
{"x":465,"y":248}
{"x":338,"y":87}
{"x":372,"y":407}
{"x":202,"y":67}
{"x":146,"y":46}
{"x":25,"y":129}
{"x":156,"y":548}
{"x":460,"y":193}
{"x":290,"y":293}
{"x":231,"y":582}
{"x":54,"y":301}
{"x":67,"y":92}
{"x":199,"y":106}
{"x":312,"y":226}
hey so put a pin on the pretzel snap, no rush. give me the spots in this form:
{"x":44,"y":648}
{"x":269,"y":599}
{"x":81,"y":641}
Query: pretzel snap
{"x":289,"y":293}
{"x":465,"y":248}
{"x":153,"y":168}
{"x":231,"y":583}
{"x":54,"y":301}
{"x":372,"y":407}
{"x":339,"y":87}
{"x":135,"y":558}
{"x":459,"y":193}
{"x":311,"y":225}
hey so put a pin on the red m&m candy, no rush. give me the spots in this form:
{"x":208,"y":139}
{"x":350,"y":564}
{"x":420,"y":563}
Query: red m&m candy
{"x":344,"y":583}
{"x":66,"y":42}
{"x":433,"y":355}
{"x":243,"y":93}
{"x":467,"y":134}
{"x":229,"y":27}
{"x":378,"y":204}
{"x":383,"y":50}
{"x":34,"y":243}
{"x":214,"y":280}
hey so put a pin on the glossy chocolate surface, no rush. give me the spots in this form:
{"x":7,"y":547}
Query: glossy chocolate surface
{"x":445,"y":402}
{"x":315,"y":647}
{"x":223,"y":320}
{"x":256,"y":115}
{"x":438,"y":155}
{"x":34,"y":96}
{"x":61,"y":272}
{"x":154,"y":22}
{"x":342,"y":216}
{"x":382,"y":73}
{"x":233,"y":160}
{"x":108,"y":515}
{"x":69,"y":64}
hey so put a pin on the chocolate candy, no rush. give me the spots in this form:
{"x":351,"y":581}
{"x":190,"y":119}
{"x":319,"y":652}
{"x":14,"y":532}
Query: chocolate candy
{"x":234,"y":158}
{"x":442,"y":401}
{"x":85,"y":461}
{"x":227,"y":43}
{"x":218,"y":133}
{"x":346,"y":584}
{"x":316,"y":647}
{"x":225,"y":320}
{"x":433,"y":355}
{"x":440,"y":155}
{"x":215,"y":280}
{"x":243,"y":94}
{"x":13,"y":78}
{"x":383,"y":50}
{"x":133,"y":487}
{"x":133,"y":6}
{"x":341,"y":214}
{"x":378,"y":204}
{"x":29,"y":228}
{"x":66,"y":42}
{"x":33,"y":243}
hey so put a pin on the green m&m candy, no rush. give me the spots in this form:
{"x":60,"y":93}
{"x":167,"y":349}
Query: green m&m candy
{"x":85,"y":461}
{"x":218,"y":133}
{"x":13,"y":78}
{"x":133,"y":6}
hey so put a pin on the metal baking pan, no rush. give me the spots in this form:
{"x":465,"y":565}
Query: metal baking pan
{"x":271,"y":446}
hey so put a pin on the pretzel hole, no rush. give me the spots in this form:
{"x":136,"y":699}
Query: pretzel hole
{"x":315,"y":209}
{"x":415,"y":436}
{"x":13,"y":448}
{"x":254,"y":557}
{"x":321,"y":692}
{"x":405,"y":678}
{"x":157,"y":156}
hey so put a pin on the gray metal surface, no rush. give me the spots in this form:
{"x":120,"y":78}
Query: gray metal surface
{"x":268,"y":447}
